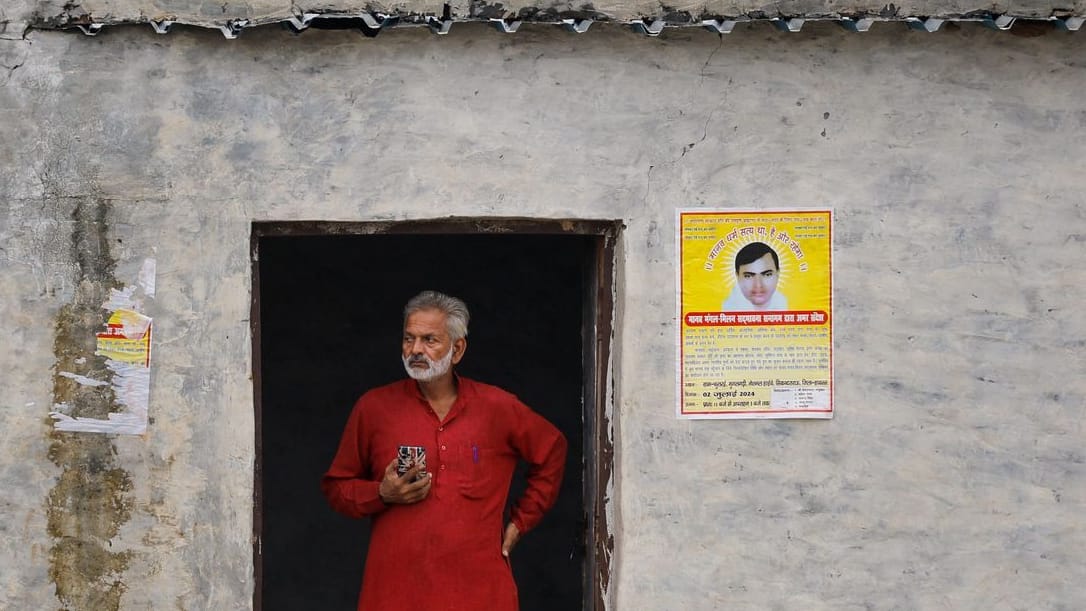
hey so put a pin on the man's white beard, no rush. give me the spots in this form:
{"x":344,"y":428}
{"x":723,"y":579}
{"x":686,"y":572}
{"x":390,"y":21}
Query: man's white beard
{"x":435,"y":370}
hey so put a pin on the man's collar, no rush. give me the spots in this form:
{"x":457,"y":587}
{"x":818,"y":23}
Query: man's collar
{"x":463,"y":386}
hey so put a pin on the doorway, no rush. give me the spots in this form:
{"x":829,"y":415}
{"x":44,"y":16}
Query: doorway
{"x":327,"y":315}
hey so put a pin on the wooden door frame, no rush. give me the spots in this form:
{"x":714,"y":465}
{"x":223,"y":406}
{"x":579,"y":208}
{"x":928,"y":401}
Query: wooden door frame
{"x":597,"y":336}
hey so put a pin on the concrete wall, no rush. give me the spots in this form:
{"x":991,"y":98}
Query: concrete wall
{"x":953,"y":477}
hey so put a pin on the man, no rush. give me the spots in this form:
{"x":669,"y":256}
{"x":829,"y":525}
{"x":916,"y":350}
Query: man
{"x":757,"y":270}
{"x":437,"y":540}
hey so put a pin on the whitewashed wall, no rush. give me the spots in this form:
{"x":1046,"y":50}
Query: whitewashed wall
{"x":953,"y":476}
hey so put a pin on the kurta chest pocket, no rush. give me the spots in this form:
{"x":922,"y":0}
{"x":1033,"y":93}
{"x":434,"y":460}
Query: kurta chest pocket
{"x":477,"y":470}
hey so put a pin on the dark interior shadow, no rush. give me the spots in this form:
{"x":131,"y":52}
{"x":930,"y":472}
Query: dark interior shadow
{"x":330,"y":324}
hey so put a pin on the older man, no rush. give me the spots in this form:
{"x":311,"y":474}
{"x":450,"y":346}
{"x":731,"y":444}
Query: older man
{"x":438,"y":541}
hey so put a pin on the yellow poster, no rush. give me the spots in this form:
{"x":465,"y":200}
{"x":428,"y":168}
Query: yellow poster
{"x":755,"y":313}
{"x":128,"y":339}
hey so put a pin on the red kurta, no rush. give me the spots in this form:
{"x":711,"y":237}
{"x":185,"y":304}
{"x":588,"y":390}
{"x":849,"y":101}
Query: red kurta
{"x":444,"y":552}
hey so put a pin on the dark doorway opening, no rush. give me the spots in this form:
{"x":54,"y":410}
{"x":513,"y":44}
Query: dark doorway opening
{"x":328,"y":303}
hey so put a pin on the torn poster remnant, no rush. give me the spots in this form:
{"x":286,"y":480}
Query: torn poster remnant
{"x":128,"y":339}
{"x":126,"y":345}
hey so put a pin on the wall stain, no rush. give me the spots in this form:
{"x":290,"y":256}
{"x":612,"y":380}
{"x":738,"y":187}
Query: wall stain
{"x":90,"y":501}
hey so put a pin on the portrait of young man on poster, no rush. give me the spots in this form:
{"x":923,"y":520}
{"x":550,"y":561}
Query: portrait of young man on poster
{"x":757,"y":271}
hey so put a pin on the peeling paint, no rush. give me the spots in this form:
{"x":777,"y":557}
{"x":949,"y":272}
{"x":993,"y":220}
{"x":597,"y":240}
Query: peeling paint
{"x":126,"y":345}
{"x":85,"y":511}
{"x":90,"y":501}
{"x":84,"y":380}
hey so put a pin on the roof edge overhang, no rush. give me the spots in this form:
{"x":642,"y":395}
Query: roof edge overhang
{"x":371,"y":23}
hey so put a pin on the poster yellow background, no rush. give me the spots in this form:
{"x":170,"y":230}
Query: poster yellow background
{"x":710,"y":240}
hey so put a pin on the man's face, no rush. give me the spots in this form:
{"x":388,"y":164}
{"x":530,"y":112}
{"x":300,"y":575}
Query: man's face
{"x":758,"y":280}
{"x":428,"y":351}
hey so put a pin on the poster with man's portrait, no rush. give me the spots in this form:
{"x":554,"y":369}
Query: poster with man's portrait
{"x":755,"y":313}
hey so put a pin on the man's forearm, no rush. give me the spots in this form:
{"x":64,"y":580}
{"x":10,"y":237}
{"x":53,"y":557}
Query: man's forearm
{"x":544,"y":480}
{"x":352,"y":497}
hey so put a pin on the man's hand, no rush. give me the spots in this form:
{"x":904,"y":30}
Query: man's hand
{"x":403,"y":489}
{"x":512,"y":535}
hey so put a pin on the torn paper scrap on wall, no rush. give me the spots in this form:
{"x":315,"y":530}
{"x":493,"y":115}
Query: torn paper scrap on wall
{"x":126,"y":345}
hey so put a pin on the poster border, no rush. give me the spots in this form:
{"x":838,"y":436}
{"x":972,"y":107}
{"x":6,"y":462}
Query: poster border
{"x":804,"y":414}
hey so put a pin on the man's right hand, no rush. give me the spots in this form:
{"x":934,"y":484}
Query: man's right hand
{"x":396,"y":489}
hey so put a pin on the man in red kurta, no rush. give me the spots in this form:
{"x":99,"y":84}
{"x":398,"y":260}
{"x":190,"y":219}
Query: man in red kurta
{"x":437,"y":541}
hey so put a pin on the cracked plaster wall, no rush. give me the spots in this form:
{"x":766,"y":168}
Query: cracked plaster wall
{"x":952,"y":477}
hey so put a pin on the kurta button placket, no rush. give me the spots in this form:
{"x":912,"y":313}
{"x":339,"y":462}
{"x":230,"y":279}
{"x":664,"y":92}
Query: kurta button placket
{"x":442,"y":447}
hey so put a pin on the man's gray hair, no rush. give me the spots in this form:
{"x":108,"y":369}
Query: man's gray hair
{"x":455,"y":310}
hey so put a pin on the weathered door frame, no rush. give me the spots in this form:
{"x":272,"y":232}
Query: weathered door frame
{"x":597,"y":331}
